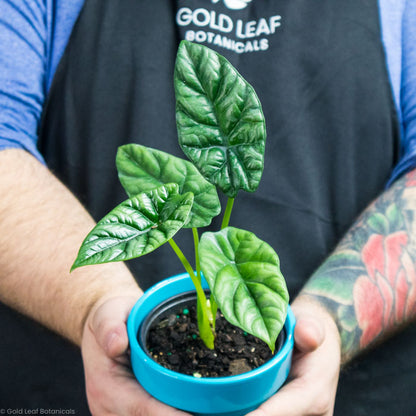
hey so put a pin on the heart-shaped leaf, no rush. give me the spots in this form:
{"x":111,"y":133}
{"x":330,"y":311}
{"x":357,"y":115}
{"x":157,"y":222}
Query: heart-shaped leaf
{"x":220,"y":122}
{"x":243,"y":273}
{"x":136,"y":227}
{"x":142,"y":168}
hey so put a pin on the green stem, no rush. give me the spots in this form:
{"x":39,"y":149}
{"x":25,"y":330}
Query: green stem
{"x":212,"y":311}
{"x":196,"y":245}
{"x":227,"y":213}
{"x":205,"y":331}
{"x":225,"y":222}
{"x":214,"y":308}
{"x":185,"y":263}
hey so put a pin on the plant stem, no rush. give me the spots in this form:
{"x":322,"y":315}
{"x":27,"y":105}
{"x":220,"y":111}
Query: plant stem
{"x":224,"y":224}
{"x":204,"y":326}
{"x":227,"y":213}
{"x":196,"y":245}
{"x":212,"y":310}
{"x":185,"y":263}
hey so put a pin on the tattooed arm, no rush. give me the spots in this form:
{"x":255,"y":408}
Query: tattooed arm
{"x":364,"y":292}
{"x":369,"y":283}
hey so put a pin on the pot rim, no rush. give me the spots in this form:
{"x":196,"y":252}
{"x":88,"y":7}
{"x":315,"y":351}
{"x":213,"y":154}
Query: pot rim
{"x":133,"y":328}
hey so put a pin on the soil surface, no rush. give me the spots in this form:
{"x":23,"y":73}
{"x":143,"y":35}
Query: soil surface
{"x":174,"y":343}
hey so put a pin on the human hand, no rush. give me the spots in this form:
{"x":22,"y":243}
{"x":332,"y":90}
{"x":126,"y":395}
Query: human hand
{"x":315,"y":366}
{"x":111,"y":386}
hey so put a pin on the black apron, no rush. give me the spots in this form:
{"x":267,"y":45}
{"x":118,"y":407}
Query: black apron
{"x":333,"y":138}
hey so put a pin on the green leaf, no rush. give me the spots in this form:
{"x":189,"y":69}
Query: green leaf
{"x":220,"y":122}
{"x":141,"y":169}
{"x":136,"y":227}
{"x":244,"y":276}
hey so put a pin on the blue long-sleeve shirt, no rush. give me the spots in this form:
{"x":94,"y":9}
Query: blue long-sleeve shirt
{"x":33,"y":36}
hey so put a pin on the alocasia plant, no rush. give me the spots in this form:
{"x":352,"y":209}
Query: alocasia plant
{"x":222,"y":131}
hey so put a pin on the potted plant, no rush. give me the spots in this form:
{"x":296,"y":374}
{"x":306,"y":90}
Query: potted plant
{"x":237,"y":276}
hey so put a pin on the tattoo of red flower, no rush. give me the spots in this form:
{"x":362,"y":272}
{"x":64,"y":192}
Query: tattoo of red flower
{"x":386,"y":296}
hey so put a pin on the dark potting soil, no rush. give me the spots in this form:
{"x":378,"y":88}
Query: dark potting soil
{"x":174,"y":343}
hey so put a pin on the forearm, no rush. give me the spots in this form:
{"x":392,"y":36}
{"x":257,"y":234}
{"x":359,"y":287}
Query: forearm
{"x":42,"y":227}
{"x":368,"y":284}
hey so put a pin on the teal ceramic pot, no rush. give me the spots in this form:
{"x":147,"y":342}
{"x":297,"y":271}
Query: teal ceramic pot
{"x":220,"y":396}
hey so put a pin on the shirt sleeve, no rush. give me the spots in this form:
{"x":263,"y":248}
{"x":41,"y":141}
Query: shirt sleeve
{"x":408,"y":92}
{"x":23,"y":65}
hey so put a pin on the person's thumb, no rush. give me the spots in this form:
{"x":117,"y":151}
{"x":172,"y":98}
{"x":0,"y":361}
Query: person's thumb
{"x":309,"y":333}
{"x":108,"y":324}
